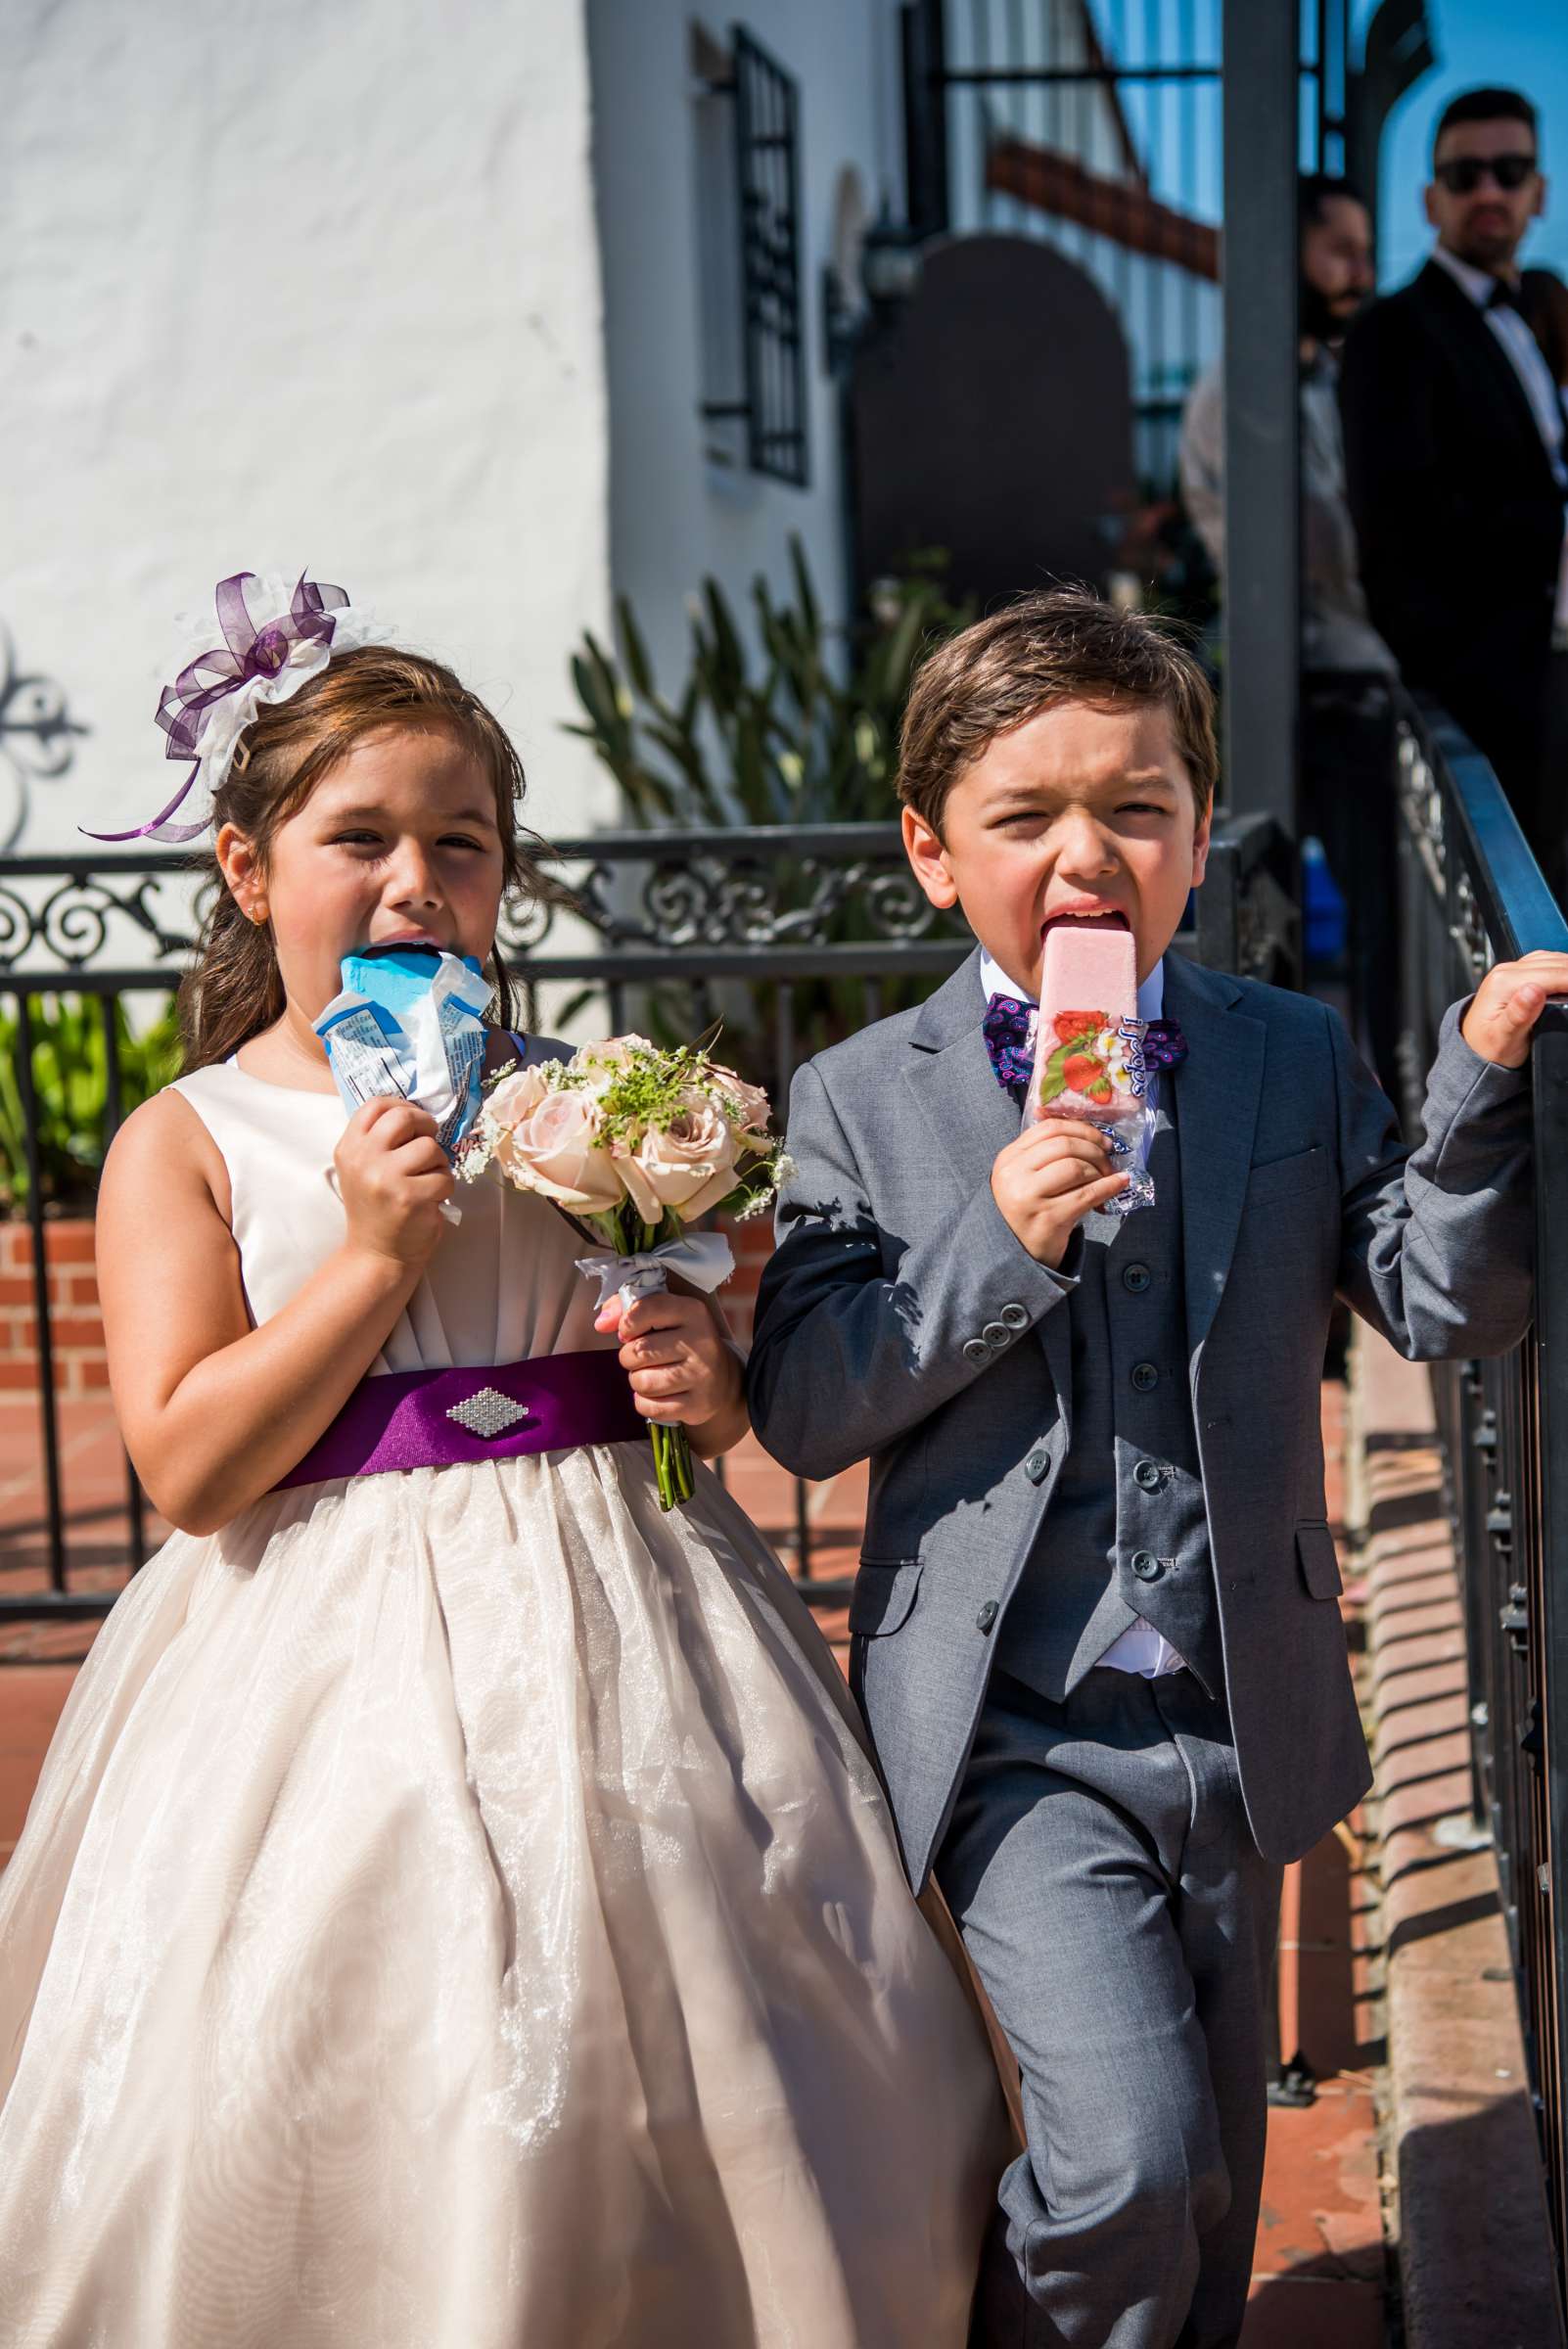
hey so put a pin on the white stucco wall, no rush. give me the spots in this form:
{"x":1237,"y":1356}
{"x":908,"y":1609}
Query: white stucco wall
{"x":310,"y":286}
{"x":673,"y":518}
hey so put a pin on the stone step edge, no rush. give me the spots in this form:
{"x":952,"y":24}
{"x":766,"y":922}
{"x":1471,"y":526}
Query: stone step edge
{"x":1469,"y":2203}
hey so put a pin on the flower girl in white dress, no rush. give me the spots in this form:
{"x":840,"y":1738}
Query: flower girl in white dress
{"x":457,"y":1910}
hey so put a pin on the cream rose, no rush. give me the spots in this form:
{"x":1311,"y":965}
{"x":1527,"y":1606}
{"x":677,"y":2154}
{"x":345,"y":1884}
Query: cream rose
{"x":752,"y":1102}
{"x":690,"y":1165}
{"x":554,"y":1145}
{"x":514,"y":1098}
{"x":602,"y":1064}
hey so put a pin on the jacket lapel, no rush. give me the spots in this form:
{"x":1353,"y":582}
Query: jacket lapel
{"x":1217,"y":1090}
{"x":1456,"y":319}
{"x":960,"y":1105}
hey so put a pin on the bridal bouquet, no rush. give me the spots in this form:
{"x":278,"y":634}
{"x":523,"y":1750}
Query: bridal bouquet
{"x":634,"y":1143}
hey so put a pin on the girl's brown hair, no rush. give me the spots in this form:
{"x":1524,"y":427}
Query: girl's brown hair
{"x":233,"y":990}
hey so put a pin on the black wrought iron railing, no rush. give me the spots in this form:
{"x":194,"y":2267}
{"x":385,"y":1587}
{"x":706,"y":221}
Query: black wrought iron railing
{"x":1472,"y":894}
{"x":793,"y":937}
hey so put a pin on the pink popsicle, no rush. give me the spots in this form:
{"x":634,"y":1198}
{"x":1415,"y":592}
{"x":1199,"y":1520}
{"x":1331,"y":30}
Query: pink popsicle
{"x":1092,"y":970}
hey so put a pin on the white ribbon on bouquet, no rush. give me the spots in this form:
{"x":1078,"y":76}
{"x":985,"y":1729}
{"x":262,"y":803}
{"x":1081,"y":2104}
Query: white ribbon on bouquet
{"x":704,"y":1258}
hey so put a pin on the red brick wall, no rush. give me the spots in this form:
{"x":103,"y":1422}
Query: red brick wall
{"x":753,"y":1243}
{"x":80,"y":1364}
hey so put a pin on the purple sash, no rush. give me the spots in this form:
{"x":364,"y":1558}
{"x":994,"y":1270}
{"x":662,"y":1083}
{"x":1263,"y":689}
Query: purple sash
{"x":435,"y":1418}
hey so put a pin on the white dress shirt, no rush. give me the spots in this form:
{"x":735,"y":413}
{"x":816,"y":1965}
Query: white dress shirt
{"x":1140,"y":1648}
{"x":1529,"y":363}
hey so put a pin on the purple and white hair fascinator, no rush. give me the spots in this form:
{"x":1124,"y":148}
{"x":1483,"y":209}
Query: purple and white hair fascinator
{"x":275,"y":639}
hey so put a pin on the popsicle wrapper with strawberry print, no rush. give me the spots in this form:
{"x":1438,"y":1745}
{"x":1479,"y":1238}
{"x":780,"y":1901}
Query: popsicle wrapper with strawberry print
{"x":1090,"y":1062}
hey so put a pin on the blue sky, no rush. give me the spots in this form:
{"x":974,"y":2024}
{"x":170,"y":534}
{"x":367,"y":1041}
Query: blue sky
{"x":1522,"y":44}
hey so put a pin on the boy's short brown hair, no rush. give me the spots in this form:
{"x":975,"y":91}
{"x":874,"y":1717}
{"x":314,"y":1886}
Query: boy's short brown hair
{"x":1058,"y":645}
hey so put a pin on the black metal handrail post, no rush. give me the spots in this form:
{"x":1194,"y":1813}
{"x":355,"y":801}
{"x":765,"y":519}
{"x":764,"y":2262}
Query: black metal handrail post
{"x":1548,"y":1728}
{"x":48,"y":1409}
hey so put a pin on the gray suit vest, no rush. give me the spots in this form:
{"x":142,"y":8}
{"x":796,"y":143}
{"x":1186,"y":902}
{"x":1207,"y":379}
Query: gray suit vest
{"x":1126,"y":1532}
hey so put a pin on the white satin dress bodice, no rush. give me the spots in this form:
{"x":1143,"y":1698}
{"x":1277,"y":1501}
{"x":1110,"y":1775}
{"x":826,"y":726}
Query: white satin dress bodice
{"x":470,"y":1308}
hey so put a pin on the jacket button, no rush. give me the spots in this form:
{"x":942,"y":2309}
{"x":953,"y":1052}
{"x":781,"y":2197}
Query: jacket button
{"x":1037,"y":1465}
{"x":996,"y":1335}
{"x":1148,"y":1476}
{"x":975,"y":1349}
{"x":1136,"y":1277}
{"x":1145,"y":1377}
{"x":1015,"y":1316}
{"x":987,"y":1616}
{"x":1145,"y":1565}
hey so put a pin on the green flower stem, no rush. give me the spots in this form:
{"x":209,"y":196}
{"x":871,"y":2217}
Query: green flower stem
{"x":672,"y":1450}
{"x":671,"y":1445}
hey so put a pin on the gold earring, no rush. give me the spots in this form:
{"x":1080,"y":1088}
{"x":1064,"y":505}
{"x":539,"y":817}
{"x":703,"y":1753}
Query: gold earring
{"x":259,"y":915}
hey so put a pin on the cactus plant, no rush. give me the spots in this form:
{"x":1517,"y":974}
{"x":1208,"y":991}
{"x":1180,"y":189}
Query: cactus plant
{"x":782,"y":734}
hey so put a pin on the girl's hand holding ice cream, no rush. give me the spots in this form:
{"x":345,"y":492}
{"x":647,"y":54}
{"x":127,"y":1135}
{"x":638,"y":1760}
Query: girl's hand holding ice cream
{"x":394,"y":1178}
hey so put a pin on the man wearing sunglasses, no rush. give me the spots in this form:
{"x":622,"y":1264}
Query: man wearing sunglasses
{"x":1456,"y":463}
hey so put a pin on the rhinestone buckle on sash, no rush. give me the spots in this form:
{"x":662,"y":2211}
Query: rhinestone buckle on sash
{"x":488,"y":1412}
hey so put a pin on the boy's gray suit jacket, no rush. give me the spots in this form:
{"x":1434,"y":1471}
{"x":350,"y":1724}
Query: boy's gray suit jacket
{"x":900,"y":1319}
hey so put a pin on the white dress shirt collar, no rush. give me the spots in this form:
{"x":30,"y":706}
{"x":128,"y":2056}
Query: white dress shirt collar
{"x":994,"y":980}
{"x":1477,"y":283}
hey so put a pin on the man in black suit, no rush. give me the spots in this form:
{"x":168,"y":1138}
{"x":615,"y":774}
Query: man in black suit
{"x":1457,"y":467}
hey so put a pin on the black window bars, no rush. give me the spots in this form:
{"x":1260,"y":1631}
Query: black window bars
{"x":773,"y":403}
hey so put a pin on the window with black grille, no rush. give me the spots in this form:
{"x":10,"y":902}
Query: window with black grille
{"x":749,"y":246}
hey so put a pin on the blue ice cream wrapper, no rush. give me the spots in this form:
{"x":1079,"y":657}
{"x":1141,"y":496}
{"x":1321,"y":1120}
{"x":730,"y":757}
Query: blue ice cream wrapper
{"x":409,"y":1022}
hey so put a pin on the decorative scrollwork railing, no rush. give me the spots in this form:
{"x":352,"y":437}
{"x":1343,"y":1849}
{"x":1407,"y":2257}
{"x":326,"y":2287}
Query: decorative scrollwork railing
{"x":85,"y":920}
{"x":762,"y":902}
{"x":759,"y":890}
{"x":625,"y":900}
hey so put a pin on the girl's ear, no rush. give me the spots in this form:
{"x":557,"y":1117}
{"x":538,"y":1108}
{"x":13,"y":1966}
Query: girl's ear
{"x":241,"y":867}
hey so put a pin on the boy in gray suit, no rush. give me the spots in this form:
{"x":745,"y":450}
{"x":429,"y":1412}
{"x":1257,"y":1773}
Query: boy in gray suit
{"x":1095,"y":1629}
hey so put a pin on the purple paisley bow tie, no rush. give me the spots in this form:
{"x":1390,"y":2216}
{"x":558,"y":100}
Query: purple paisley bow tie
{"x":1006,"y":1029}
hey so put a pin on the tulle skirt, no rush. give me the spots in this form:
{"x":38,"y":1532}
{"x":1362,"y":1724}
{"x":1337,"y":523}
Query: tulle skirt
{"x":457,"y":1912}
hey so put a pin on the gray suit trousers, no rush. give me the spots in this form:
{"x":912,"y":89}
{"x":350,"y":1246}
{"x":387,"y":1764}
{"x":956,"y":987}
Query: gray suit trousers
{"x":1100,"y":1864}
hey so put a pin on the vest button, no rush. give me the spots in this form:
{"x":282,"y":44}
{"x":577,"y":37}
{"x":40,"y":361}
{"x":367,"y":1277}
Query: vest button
{"x":1037,"y":1465}
{"x":1136,"y":1277}
{"x":987,"y":1616}
{"x":1145,"y":1565}
{"x":1145,"y":1377}
{"x":1147,"y":1475}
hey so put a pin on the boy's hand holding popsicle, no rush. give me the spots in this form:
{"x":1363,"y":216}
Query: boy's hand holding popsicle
{"x":1058,"y":1169}
{"x":1050,"y":1180}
